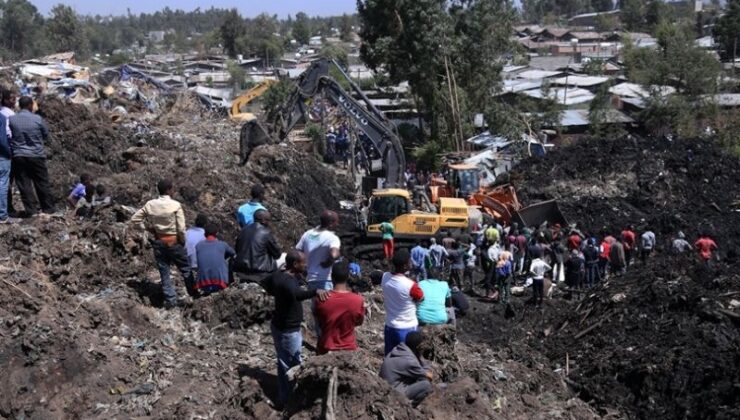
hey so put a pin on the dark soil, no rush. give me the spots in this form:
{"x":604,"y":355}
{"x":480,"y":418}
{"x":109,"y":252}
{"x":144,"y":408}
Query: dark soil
{"x":662,"y":341}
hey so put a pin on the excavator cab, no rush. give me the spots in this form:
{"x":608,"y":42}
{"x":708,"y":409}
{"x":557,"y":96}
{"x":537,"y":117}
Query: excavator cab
{"x":465,"y":179}
{"x":388,"y":206}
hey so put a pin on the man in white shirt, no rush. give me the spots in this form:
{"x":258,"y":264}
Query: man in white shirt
{"x":321,"y":247}
{"x":647,"y":244}
{"x":538,"y":268}
{"x":437,"y":254}
{"x":400,"y":295}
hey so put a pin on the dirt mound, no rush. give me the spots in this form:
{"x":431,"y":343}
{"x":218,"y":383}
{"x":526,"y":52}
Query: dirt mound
{"x":237,"y":307}
{"x":651,"y":342}
{"x":648,"y":343}
{"x":669,"y":185}
{"x":346,"y":385}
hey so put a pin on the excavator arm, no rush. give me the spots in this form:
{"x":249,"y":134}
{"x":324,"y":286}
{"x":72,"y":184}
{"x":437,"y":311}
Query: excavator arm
{"x":247,"y":97}
{"x":368,"y":118}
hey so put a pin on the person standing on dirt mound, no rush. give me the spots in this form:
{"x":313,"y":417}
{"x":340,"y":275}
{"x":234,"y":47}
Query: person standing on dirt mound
{"x":7,"y":100}
{"x":245,"y":213}
{"x":617,"y":259}
{"x":647,"y":244}
{"x":629,"y":239}
{"x":30,"y":132}
{"x":166,"y":220}
{"x":406,"y":370}
{"x":288,"y":316}
{"x":706,"y":247}
{"x":400,"y":295}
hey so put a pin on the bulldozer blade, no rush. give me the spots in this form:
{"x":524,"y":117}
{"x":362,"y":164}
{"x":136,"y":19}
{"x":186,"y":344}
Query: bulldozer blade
{"x":536,"y":214}
{"x":253,"y":134}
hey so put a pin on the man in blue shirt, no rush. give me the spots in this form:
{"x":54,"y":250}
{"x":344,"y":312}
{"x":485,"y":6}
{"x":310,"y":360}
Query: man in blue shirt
{"x":419,"y":256}
{"x":245,"y":214}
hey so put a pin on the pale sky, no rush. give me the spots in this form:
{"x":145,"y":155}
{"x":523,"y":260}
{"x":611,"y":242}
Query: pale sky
{"x":246,"y":7}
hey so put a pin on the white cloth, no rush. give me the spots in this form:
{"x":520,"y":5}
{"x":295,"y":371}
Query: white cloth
{"x":400,"y":309}
{"x":539,"y":267}
{"x":317,"y":244}
{"x":471,"y":256}
{"x":494,"y":251}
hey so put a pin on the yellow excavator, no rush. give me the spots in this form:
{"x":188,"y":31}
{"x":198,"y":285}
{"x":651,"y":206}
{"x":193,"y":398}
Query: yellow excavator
{"x":238,"y":112}
{"x":392,"y":204}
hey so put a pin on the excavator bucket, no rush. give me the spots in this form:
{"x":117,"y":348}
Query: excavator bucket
{"x":536,"y":214}
{"x":253,"y":134}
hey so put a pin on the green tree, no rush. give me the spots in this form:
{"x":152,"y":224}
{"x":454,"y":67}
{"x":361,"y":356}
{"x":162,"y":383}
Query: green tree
{"x":345,"y":28}
{"x":727,"y":31}
{"x":656,"y":12}
{"x":232,"y":28}
{"x":19,"y":26}
{"x":301,"y":28}
{"x":237,"y":74}
{"x":65,"y":31}
{"x":633,"y":14}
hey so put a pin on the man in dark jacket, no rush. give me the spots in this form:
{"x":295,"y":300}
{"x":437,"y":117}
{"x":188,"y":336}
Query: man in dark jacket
{"x":29,"y":158}
{"x":574,"y":270}
{"x":591,"y":257}
{"x":288,"y":316}
{"x":256,"y":249}
{"x":406,"y":371}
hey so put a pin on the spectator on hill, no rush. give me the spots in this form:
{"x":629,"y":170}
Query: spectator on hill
{"x":30,"y":132}
{"x":288,"y":316}
{"x":166,"y":221}
{"x":193,"y":236}
{"x":706,"y":247}
{"x":245,"y":213}
{"x":400,"y":295}
{"x":257,"y":250}
{"x":212,"y":256}
{"x":406,"y":370}
{"x":436,"y":308}
{"x":340,"y":313}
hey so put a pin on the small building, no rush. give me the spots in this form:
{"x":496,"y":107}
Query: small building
{"x":563,"y":96}
{"x":315,"y":41}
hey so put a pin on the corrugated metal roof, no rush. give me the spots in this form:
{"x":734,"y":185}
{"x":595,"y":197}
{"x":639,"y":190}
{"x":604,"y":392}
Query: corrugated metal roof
{"x":537,"y":74}
{"x":580,"y":80}
{"x":579,"y":118}
{"x":633,"y":90}
{"x":571,"y":96}
{"x":726,"y":99}
{"x":519,"y":85}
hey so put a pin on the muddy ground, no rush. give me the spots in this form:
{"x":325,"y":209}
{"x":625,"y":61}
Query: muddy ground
{"x":85,"y":335}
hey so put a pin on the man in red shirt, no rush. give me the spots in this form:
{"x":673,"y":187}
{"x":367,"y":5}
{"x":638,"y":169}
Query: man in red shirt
{"x":628,"y":240}
{"x":339,"y":314}
{"x":706,"y":246}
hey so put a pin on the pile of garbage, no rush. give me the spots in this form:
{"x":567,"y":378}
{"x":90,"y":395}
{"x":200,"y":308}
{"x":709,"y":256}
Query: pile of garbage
{"x":648,"y":343}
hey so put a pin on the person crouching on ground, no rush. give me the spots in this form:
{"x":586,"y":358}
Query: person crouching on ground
{"x":212,"y":256}
{"x":400,"y":295}
{"x":406,"y":370}
{"x":340,"y":313}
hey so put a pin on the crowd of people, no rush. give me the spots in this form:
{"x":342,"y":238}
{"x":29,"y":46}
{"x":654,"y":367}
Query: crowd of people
{"x":313,"y":270}
{"x":423,"y":285}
